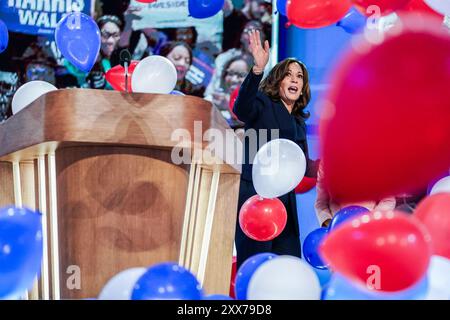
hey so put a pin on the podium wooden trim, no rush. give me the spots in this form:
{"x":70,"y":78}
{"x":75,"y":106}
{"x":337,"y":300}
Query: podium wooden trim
{"x":97,"y":165}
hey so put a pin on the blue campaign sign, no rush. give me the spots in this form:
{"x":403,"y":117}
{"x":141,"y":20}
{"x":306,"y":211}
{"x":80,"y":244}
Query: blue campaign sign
{"x":39,"y":17}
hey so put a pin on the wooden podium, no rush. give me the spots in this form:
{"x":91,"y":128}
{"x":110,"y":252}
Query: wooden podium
{"x":99,"y":166}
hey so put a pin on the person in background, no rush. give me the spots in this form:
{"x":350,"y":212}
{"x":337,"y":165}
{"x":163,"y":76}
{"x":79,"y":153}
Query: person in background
{"x":235,"y":20}
{"x":149,"y":41}
{"x":223,"y":58}
{"x":277,"y":102}
{"x":233,"y":74}
{"x":326,"y":207}
{"x":188,"y":35}
{"x":110,"y":31}
{"x":180,"y":54}
{"x":9,"y":83}
{"x":37,"y":64}
{"x":146,"y":42}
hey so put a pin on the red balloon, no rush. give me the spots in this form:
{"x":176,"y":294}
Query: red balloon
{"x":305,"y":185}
{"x":233,"y":98}
{"x":418,"y":7}
{"x":386,"y":6}
{"x":262,"y":219}
{"x":232,"y":293}
{"x":146,"y":1}
{"x":385,"y":125}
{"x":116,"y":76}
{"x":388,"y":247}
{"x":434,"y":213}
{"x":316,"y":13}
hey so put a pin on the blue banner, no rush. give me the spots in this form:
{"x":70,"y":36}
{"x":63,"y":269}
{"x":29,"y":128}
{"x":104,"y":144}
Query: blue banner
{"x":39,"y":17}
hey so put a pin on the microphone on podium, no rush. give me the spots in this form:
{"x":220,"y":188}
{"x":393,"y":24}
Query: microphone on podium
{"x":125,"y":60}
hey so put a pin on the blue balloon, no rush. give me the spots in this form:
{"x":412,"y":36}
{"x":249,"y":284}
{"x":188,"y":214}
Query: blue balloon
{"x":78,"y":38}
{"x":340,"y":288}
{"x":246,"y":271}
{"x":323,"y":295}
{"x":323,"y":275}
{"x":311,"y":248}
{"x":177,"y":93}
{"x":20,"y":250}
{"x":201,"y":9}
{"x":281,"y":7}
{"x":217,"y":297}
{"x":4,"y":36}
{"x":353,"y":21}
{"x":345,"y":214}
{"x":167,"y":281}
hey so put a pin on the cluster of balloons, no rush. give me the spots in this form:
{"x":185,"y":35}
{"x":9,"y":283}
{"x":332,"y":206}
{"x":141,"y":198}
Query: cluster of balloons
{"x":351,"y":15}
{"x":278,"y":168}
{"x":378,"y":246}
{"x":266,"y":276}
{"x":163,"y":281}
{"x":382,"y":100}
{"x":20,"y":250}
{"x":369,"y":254}
{"x":313,"y":241}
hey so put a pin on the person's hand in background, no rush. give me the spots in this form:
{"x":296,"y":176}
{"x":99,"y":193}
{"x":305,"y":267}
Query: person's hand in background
{"x":96,"y":80}
{"x":129,"y":15}
{"x":220,"y":99}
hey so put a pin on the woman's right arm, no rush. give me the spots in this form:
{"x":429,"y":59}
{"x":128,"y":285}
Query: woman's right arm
{"x":246,"y":107}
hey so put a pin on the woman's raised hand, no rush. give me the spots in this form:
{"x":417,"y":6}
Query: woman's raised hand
{"x":260,"y":54}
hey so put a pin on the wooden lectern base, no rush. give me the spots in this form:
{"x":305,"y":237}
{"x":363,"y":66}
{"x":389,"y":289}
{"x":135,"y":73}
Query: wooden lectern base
{"x":98,"y":167}
{"x":113,"y":208}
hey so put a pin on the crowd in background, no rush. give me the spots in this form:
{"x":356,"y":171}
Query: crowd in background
{"x":36,"y":58}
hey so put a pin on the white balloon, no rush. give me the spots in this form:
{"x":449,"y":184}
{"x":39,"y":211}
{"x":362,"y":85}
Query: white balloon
{"x":439,"y":279}
{"x":121,"y":285}
{"x":441,"y":6}
{"x":442,"y":186}
{"x":154,"y":74}
{"x":284,"y":278}
{"x":29,"y":92}
{"x":278,"y":168}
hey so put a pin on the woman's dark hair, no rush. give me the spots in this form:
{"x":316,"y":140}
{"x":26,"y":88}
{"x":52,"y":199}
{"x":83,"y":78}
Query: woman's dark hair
{"x":109,"y":18}
{"x":271,"y":86}
{"x":169,"y":46}
{"x":245,"y":57}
